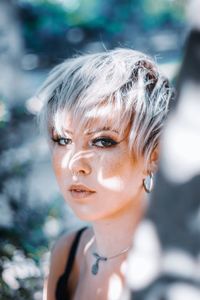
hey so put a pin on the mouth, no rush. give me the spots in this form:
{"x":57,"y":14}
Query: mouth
{"x":80,"y":191}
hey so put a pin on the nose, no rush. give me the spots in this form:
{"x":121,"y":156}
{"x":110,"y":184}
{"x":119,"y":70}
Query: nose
{"x":79,"y":164}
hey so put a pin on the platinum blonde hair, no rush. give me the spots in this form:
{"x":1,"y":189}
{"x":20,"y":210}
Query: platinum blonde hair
{"x":121,"y":85}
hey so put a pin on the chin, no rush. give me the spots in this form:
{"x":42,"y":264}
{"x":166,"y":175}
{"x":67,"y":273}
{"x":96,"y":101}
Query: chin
{"x":91,"y":216}
{"x":87,"y":217}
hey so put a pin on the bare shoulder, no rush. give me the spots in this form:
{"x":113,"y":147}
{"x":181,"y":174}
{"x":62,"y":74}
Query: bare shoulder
{"x":59,"y":256}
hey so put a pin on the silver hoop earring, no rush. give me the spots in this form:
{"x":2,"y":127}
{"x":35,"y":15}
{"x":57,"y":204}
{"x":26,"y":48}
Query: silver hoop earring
{"x":148,"y":183}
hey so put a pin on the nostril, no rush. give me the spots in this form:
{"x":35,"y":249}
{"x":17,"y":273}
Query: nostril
{"x":85,"y":171}
{"x":76,"y":173}
{"x":80,"y":168}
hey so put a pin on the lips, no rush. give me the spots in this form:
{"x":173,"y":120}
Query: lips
{"x":80,"y":191}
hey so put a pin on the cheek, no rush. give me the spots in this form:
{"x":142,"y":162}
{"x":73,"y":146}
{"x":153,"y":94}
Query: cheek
{"x":57,"y":164}
{"x":114,"y":172}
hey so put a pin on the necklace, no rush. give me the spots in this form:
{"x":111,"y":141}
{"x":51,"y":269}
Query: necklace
{"x":95,"y":266}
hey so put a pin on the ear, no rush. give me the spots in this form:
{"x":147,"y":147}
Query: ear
{"x":154,"y":158}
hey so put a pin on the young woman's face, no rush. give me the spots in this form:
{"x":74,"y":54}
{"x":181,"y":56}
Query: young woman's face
{"x":96,"y":173}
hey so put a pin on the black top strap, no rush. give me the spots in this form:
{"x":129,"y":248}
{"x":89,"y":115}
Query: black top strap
{"x":73,"y":250}
{"x":61,"y":288}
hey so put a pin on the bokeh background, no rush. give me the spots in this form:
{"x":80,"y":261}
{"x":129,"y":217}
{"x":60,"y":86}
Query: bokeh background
{"x":34,"y":36}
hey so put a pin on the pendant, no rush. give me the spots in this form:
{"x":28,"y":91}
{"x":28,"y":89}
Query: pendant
{"x":95,"y":266}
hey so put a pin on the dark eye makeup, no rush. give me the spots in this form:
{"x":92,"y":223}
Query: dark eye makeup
{"x":99,"y":142}
{"x":61,"y":141}
{"x":104,"y":142}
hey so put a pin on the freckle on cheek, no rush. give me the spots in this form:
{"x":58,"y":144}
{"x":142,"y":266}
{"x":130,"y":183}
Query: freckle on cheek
{"x":110,"y":180}
{"x":111,"y":166}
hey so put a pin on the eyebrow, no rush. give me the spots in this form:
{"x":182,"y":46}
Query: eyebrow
{"x":95,"y":131}
{"x":101,"y":129}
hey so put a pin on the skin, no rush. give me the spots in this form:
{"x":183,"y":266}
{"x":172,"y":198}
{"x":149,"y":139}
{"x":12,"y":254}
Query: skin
{"x":98,"y":158}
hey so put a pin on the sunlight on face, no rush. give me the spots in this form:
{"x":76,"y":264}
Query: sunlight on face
{"x":113,"y":183}
{"x":68,"y":160}
{"x":114,"y":287}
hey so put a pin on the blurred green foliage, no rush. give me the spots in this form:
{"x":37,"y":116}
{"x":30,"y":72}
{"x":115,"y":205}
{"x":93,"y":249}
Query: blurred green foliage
{"x":24,"y":240}
{"x":48,"y":24}
{"x":159,"y":13}
{"x":20,"y":229}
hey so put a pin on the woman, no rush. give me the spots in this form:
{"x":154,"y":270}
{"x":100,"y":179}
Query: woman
{"x":103,"y":114}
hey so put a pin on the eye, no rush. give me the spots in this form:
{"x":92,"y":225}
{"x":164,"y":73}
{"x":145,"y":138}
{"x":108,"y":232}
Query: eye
{"x":104,"y":142}
{"x":62,"y":141}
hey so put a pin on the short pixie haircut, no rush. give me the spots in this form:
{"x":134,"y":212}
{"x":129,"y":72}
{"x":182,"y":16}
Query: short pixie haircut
{"x":121,"y":85}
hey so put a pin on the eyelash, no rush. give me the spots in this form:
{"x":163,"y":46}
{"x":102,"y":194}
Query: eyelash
{"x":110,"y":142}
{"x":106,"y":142}
{"x":58,"y":140}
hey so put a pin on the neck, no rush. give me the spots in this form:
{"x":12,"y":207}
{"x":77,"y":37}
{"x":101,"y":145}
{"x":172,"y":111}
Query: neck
{"x":114,"y":234}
